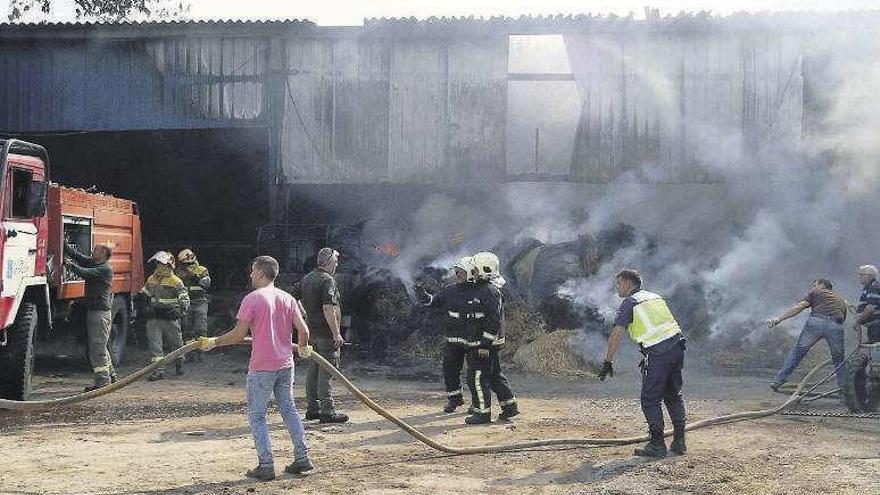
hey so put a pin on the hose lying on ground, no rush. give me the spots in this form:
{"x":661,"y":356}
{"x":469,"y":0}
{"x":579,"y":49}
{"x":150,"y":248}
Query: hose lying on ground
{"x":421,"y":437}
{"x":42,"y":405}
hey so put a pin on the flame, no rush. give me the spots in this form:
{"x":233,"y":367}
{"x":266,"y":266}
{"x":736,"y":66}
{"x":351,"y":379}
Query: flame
{"x":389,"y":249}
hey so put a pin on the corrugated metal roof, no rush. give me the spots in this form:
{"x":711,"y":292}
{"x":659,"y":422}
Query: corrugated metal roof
{"x":786,"y":21}
{"x":163,"y":22}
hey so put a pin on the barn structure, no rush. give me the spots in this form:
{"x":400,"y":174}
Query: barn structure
{"x":218,"y":128}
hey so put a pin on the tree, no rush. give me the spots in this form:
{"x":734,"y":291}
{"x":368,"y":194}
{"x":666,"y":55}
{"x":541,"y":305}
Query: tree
{"x":108,"y":10}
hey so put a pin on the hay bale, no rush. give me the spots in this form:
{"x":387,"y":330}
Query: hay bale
{"x":551,"y":354}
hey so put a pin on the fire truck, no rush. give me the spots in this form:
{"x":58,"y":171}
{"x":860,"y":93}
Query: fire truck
{"x":37,"y":292}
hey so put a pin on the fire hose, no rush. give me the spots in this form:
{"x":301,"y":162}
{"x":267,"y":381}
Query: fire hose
{"x":795,"y":397}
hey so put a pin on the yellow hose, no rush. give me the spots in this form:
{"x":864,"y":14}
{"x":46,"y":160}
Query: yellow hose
{"x":41,"y":405}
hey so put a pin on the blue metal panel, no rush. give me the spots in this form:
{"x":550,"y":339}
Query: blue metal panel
{"x":131,"y":84}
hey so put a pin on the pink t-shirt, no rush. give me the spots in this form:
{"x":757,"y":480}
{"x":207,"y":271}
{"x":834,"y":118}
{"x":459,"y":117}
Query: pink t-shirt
{"x":270,"y":312}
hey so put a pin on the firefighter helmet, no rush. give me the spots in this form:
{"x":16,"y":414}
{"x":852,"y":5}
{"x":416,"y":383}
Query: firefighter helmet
{"x":163,"y":257}
{"x":487,"y":265}
{"x":186,"y":256}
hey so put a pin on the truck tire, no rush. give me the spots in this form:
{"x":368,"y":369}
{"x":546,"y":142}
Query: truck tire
{"x":861,"y":392}
{"x":17,"y":358}
{"x":118,"y":329}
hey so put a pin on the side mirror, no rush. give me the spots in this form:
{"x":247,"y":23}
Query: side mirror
{"x":36,"y":206}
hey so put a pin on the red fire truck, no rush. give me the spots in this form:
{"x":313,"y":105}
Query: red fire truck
{"x":35,"y":288}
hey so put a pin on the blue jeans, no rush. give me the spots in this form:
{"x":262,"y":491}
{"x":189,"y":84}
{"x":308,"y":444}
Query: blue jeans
{"x":815,"y":329}
{"x":260,"y":384}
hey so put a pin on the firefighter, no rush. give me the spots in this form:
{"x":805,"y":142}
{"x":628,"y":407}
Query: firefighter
{"x":167,"y":300}
{"x":98,"y":276}
{"x":484,"y":321}
{"x":651,"y":325}
{"x":197,"y":280}
{"x":451,"y":299}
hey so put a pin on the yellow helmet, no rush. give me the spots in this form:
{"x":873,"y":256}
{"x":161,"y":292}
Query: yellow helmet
{"x":187,"y":256}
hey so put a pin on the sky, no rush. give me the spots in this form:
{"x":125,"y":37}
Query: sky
{"x":352,"y":12}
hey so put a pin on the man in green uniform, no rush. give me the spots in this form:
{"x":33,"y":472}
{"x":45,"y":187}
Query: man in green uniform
{"x":197,"y":280}
{"x":168,"y":301}
{"x":320,"y":298}
{"x":98,"y":276}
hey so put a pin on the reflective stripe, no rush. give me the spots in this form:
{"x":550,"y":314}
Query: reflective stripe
{"x":195,"y":287}
{"x":459,"y":340}
{"x":102,"y":369}
{"x":494,"y":340}
{"x":481,"y":402}
{"x":454,"y":392}
{"x":483,"y":411}
{"x":168,"y":301}
{"x":652,"y":321}
{"x":467,"y":316}
{"x":507,"y":402}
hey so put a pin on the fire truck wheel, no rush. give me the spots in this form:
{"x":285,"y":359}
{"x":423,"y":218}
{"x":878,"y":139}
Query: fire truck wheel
{"x":17,"y":358}
{"x":118,"y":330}
{"x":861,"y":392}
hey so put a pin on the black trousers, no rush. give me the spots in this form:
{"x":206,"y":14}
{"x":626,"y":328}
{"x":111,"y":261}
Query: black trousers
{"x":453,"y":362}
{"x":661,"y":383}
{"x":484,"y":377}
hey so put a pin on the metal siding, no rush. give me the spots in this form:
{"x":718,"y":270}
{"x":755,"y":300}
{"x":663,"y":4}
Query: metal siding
{"x":417,"y":129}
{"x":125,"y":84}
{"x":477,"y":101}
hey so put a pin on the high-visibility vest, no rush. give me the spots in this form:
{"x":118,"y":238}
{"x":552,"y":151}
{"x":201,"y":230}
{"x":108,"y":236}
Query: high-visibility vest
{"x":652,"y":321}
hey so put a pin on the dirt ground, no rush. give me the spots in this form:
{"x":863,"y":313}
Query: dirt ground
{"x":189,"y":435}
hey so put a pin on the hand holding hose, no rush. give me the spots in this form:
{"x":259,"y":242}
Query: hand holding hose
{"x":207,"y":343}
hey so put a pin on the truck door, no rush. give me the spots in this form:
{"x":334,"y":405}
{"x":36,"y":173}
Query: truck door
{"x":24,"y":203}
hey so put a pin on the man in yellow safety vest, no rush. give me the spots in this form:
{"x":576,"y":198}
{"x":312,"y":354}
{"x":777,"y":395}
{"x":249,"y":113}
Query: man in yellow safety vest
{"x":651,"y":325}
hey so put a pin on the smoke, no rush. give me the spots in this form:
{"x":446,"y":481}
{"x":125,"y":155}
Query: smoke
{"x":770,"y":190}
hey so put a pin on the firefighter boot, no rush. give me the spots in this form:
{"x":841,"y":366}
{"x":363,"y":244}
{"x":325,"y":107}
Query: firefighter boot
{"x":508,"y":412}
{"x":101,"y":380}
{"x":453,"y":402}
{"x":678,"y":445}
{"x":478,"y":419}
{"x":656,"y":447}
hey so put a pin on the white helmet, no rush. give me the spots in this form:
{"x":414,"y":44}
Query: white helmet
{"x":487,"y":265}
{"x":163,"y":257}
{"x":466,"y":265}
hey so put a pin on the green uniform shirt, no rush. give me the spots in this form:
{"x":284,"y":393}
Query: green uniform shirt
{"x":315,"y":290}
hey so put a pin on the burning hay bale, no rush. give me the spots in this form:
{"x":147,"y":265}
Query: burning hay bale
{"x":551,"y":354}
{"x":522,"y":326}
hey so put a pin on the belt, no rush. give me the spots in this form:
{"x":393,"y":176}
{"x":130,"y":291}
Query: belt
{"x":662,"y":346}
{"x":837,"y":320}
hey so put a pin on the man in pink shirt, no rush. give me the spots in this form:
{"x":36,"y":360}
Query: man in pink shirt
{"x":270,"y":314}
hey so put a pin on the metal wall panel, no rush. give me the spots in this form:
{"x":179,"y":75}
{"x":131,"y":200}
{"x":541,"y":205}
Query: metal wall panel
{"x":83,"y":85}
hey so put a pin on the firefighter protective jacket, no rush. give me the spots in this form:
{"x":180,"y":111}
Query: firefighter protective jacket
{"x":474,"y":314}
{"x":197,"y":280}
{"x":169,"y":298}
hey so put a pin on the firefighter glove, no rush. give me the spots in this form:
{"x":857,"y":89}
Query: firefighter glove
{"x":207,"y":343}
{"x":607,"y":370}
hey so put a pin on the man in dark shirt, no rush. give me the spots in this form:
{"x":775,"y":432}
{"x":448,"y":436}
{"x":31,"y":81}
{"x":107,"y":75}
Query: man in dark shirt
{"x":869,"y":303}
{"x":320,"y":299}
{"x":828,"y":311}
{"x":98,"y":276}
